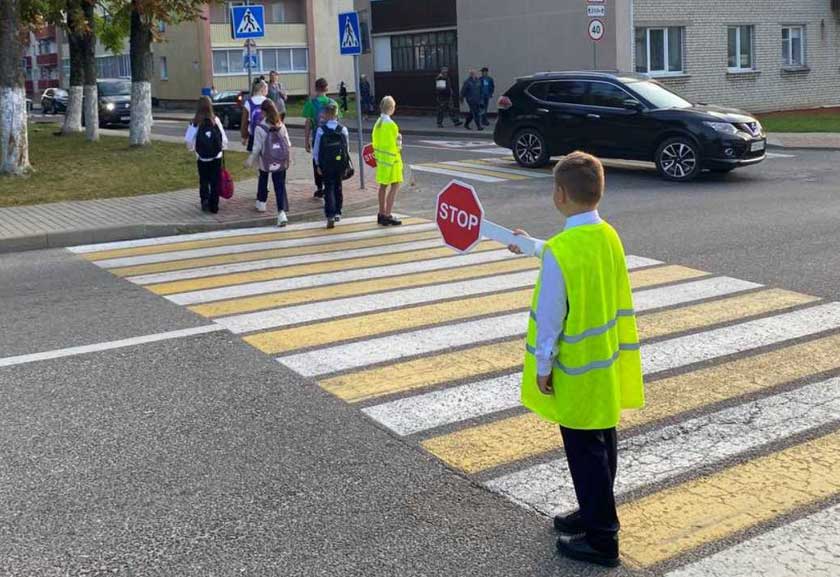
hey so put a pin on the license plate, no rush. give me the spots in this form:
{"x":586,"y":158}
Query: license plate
{"x":125,"y":118}
{"x":756,"y":146}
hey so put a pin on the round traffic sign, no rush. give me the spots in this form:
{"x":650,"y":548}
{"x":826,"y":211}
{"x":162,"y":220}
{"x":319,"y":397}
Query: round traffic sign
{"x":459,"y":215}
{"x":368,"y":155}
{"x":596,"y":29}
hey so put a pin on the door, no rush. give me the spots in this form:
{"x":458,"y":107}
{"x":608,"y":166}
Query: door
{"x":560,"y":106}
{"x":614,"y":130}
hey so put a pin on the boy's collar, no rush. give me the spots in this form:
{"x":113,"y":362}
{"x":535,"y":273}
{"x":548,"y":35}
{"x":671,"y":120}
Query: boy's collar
{"x":582,"y":218}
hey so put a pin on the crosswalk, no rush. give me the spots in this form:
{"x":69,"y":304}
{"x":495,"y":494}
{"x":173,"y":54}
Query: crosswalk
{"x":732,"y":468}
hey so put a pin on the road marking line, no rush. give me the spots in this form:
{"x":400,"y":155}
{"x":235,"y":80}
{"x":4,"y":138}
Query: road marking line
{"x":679,"y":449}
{"x":452,"y":405}
{"x":131,"y":261}
{"x":258,"y":255}
{"x":493,"y":150}
{"x":455,"y":173}
{"x":330,"y":278}
{"x":515,"y":438}
{"x":321,"y":234}
{"x":679,"y":519}
{"x":471,"y":169}
{"x":497,"y":169}
{"x":690,"y":291}
{"x":809,"y":546}
{"x":356,"y":288}
{"x":94,"y":348}
{"x":179,"y":275}
{"x":106,"y":246}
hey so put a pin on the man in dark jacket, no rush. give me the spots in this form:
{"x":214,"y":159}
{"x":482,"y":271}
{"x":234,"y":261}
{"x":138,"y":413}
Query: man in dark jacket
{"x":443,"y":95}
{"x":471,"y":94}
{"x":367,"y":97}
{"x":488,"y":87}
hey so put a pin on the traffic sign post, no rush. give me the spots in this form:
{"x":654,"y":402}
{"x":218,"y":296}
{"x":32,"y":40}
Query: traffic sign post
{"x":246,"y":23}
{"x":350,"y":43}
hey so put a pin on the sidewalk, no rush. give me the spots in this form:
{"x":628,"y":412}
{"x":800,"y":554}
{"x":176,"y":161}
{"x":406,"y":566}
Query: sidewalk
{"x":91,"y":221}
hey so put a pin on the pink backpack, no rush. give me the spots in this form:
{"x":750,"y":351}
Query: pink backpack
{"x":274,"y":155}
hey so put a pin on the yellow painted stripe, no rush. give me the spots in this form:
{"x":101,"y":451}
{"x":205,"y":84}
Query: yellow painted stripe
{"x":231,"y":240}
{"x":663,"y":274}
{"x":370,"y":325}
{"x":682,"y":518}
{"x":476,"y":170}
{"x":313,"y":294}
{"x":506,"y":163}
{"x":168,"y":288}
{"x":271,"y":253}
{"x":523,"y":436}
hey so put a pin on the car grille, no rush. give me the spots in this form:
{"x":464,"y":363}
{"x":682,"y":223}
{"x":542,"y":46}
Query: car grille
{"x":750,"y":128}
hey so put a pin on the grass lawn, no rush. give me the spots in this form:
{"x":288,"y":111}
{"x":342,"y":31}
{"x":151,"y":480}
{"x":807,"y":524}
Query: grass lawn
{"x":294,"y":107}
{"x":70,"y":168}
{"x":819,"y":120}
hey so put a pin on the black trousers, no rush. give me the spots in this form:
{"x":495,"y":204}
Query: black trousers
{"x":333,"y":195}
{"x":319,"y":180}
{"x":474,"y":114}
{"x":592,"y":458}
{"x":208,"y":182}
{"x":445,"y":108}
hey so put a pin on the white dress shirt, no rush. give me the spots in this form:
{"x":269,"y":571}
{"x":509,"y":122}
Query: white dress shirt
{"x":192,"y":133}
{"x":551,"y":302}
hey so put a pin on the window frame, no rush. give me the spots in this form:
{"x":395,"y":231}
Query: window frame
{"x":739,"y":69}
{"x":164,"y":68}
{"x":787,"y":59}
{"x":666,"y":33}
{"x":434,"y":48}
{"x":261,"y":68}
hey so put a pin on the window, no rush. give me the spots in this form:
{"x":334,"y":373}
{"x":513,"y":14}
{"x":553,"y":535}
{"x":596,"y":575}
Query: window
{"x":606,"y":95}
{"x":164,"y":70}
{"x":278,"y":13}
{"x":429,"y":51}
{"x":740,"y":48}
{"x":268,"y":59}
{"x":563,"y":92}
{"x":793,"y":45}
{"x":220,"y":62}
{"x":300,"y":59}
{"x":118,"y":66}
{"x":659,"y":51}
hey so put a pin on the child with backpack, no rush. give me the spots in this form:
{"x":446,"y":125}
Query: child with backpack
{"x":272,"y":154}
{"x":206,"y":137}
{"x":252,"y":113}
{"x":331,"y":155}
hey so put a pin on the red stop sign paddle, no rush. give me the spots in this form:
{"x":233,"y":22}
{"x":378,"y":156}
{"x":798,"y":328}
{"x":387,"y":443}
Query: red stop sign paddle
{"x":368,"y":155}
{"x":459,"y":215}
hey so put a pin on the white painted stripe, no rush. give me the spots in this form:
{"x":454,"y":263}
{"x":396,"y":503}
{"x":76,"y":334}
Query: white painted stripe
{"x":163,"y":240}
{"x":106,"y":346}
{"x":281,"y":317}
{"x":634,"y":262}
{"x":499,"y":168}
{"x":422,"y":412}
{"x":742,"y":337}
{"x":681,"y":448}
{"x":257,"y":288}
{"x":282,"y":262}
{"x":251,"y":247}
{"x":689,"y":291}
{"x":809,"y":546}
{"x":394,"y":347}
{"x":456,"y":173}
{"x":493,"y":150}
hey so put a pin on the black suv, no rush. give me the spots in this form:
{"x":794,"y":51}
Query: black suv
{"x":623,"y":116}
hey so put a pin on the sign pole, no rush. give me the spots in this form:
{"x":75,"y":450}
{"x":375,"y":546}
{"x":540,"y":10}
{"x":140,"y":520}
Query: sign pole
{"x":250,"y":73}
{"x":359,"y":123}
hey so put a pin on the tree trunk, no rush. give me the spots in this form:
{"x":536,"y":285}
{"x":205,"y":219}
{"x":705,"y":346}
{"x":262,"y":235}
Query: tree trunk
{"x":73,"y":116}
{"x":140,"y":42}
{"x":91,"y":100}
{"x":14,"y":140}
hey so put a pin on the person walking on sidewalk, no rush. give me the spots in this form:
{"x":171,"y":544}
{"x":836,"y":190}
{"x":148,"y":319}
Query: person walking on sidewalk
{"x":342,"y":96}
{"x":272,"y":154}
{"x":365,"y":94}
{"x":206,"y":137}
{"x":252,"y":114}
{"x":331,"y":154}
{"x":276,"y":93}
{"x":488,"y":88}
{"x":314,"y":113}
{"x":387,"y":146}
{"x":444,"y":94}
{"x":471,"y":94}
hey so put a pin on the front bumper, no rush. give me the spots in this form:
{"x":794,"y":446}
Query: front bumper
{"x":728,"y":153}
{"x":116,"y":116}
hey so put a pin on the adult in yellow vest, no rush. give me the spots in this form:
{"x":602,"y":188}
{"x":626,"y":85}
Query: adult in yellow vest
{"x":582,"y":359}
{"x":387,"y":147}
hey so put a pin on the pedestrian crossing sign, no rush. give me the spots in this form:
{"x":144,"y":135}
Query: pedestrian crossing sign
{"x":247,"y":21}
{"x":349,"y":36}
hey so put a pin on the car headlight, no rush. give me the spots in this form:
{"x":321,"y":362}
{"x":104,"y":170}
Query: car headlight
{"x":722,"y":127}
{"x":758,"y":127}
{"x":109,"y":107}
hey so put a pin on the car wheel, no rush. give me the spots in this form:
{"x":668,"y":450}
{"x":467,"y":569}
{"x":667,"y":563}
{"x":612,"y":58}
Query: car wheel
{"x":48,"y":109}
{"x":530,"y":149}
{"x":678,"y":159}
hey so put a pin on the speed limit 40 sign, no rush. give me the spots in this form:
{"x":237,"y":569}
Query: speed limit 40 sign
{"x":596,"y":29}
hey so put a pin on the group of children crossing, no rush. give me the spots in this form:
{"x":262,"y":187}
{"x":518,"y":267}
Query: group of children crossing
{"x":267,"y":141}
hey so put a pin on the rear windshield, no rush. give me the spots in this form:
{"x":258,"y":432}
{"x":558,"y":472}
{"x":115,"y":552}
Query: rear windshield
{"x":658,"y":95}
{"x":117,"y":88}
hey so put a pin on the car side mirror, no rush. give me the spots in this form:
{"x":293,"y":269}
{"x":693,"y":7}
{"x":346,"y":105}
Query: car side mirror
{"x":632,"y":104}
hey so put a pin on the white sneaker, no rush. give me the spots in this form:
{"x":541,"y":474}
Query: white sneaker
{"x":282,"y":219}
{"x":261,"y":206}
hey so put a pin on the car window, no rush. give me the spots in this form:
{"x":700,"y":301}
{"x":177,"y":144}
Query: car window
{"x":658,"y":95}
{"x":115,"y":88}
{"x":606,"y":95}
{"x":566,"y":92}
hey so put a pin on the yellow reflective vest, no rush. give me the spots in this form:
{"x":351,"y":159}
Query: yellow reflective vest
{"x":598,"y":368}
{"x":386,"y":148}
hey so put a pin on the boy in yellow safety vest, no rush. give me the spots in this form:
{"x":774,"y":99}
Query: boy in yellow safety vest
{"x":582,"y":360}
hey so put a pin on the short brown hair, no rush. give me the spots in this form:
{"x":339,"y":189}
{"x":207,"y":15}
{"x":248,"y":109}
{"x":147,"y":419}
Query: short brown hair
{"x":581,"y":175}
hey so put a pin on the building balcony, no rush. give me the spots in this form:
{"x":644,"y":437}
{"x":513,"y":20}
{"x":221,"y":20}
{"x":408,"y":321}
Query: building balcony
{"x":275,"y":35}
{"x":47,"y":59}
{"x":45,"y":33}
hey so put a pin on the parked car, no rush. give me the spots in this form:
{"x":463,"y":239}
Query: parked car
{"x":624,"y":116}
{"x":228,"y":107}
{"x":54,"y":101}
{"x":114,"y":101}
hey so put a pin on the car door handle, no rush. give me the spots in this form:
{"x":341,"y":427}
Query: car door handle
{"x":593,"y":116}
{"x":543,"y":110}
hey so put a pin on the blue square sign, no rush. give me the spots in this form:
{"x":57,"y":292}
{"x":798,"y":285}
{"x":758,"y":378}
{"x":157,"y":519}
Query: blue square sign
{"x":349,"y":37}
{"x":247,"y":22}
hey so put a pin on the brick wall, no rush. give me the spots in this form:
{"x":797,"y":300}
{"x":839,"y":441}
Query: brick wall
{"x":770,"y":86}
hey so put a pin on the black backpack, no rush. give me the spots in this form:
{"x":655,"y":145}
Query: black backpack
{"x":208,"y":140}
{"x":333,"y":156}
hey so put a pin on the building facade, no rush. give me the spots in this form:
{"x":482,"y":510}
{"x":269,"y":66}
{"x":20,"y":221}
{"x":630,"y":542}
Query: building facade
{"x":42,"y":67}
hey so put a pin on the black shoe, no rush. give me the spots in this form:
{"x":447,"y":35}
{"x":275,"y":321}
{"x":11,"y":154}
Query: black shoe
{"x":214,"y":209}
{"x":391,"y":221}
{"x":578,"y":548}
{"x":330,"y":223}
{"x":571,"y":524}
{"x":479,"y":127}
{"x":318,"y":193}
{"x":382,"y":220}
{"x":204,"y":206}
